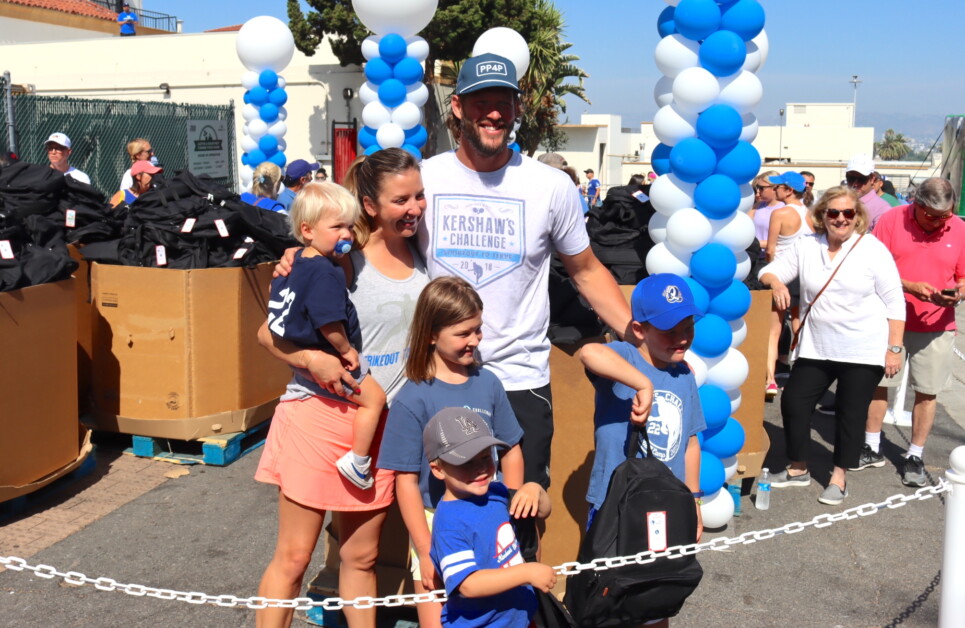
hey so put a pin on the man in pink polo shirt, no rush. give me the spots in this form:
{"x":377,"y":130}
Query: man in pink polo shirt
{"x":861,"y":177}
{"x":927,"y":241}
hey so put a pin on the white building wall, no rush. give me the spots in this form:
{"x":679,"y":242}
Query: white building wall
{"x":13,"y":30}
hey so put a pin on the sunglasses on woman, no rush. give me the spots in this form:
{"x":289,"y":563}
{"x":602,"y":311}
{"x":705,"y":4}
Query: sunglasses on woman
{"x":834,"y":213}
{"x":761,"y":188}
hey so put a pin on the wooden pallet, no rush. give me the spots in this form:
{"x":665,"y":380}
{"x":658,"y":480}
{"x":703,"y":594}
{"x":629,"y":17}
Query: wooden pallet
{"x":219,"y":450}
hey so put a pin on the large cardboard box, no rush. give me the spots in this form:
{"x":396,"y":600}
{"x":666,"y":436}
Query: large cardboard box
{"x":39,"y":430}
{"x":175,"y":353}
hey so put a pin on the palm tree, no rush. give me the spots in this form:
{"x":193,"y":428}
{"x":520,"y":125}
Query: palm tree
{"x":893,"y":146}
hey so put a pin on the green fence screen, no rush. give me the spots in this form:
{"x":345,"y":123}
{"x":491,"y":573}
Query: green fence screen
{"x":99,"y":131}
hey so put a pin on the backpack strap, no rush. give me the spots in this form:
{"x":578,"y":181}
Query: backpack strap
{"x":635,"y":443}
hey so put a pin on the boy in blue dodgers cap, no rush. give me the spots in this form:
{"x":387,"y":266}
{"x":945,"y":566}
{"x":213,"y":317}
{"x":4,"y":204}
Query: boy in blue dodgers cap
{"x":297,"y":174}
{"x":646,"y":382}
{"x":474,"y":546}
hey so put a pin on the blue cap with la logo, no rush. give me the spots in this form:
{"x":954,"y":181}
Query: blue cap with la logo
{"x":663,"y":300}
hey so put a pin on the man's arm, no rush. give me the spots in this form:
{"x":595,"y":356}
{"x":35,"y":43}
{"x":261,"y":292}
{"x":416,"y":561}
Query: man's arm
{"x":599,"y":288}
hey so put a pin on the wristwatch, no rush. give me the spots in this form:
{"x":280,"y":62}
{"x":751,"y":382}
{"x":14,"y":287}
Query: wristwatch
{"x":895,"y":348}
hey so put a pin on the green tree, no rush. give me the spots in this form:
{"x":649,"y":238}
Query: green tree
{"x":451,"y":35}
{"x":893,"y":146}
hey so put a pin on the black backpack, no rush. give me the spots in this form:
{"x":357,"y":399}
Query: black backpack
{"x":643,"y":492}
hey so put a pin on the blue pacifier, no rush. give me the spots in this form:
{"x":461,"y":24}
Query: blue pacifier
{"x":343,"y":247}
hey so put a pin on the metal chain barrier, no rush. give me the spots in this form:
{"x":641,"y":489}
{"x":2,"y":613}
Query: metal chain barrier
{"x":14,"y":563}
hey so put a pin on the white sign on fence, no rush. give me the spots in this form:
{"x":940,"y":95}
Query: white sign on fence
{"x":208,"y":147}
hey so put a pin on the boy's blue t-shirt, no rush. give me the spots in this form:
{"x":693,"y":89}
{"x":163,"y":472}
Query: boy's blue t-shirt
{"x":473,"y":534}
{"x":417,"y":402}
{"x":675,"y":416}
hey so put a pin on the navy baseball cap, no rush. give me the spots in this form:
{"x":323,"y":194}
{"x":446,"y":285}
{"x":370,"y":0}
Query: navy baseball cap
{"x":486,"y":70}
{"x":456,"y":435}
{"x":299,"y":168}
{"x":663,"y":300}
{"x":791,"y":179}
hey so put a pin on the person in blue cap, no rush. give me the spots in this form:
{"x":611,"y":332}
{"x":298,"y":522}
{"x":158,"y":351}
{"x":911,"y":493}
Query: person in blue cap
{"x":127,"y":20}
{"x":647,"y":383}
{"x":297,"y":175}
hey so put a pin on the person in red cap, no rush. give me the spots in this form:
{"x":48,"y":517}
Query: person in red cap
{"x":143,"y":174}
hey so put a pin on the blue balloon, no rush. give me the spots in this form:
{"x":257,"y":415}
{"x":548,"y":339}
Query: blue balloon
{"x":665,"y":23}
{"x":713,"y":265}
{"x":700,"y":438}
{"x":716,"y":405}
{"x":697,"y":19}
{"x":720,"y":126}
{"x":717,"y":196}
{"x":268,"y":112}
{"x":258,"y":96}
{"x":741,"y":163}
{"x":725,"y":441}
{"x":377,"y":70}
{"x":415,"y":152}
{"x":373,"y":149}
{"x":701,"y":297}
{"x":732,"y":302}
{"x":367,"y":137}
{"x":723,"y":53}
{"x":515,"y":146}
{"x":660,"y":159}
{"x":268,"y":79}
{"x":278,"y":96}
{"x":255,"y":157}
{"x":417,"y":136}
{"x":409,"y":71}
{"x":711,"y":472}
{"x":692,"y":160}
{"x":392,"y":48}
{"x":712,"y":337}
{"x":278,"y":159}
{"x":247,"y":97}
{"x":268,"y":144}
{"x":244,"y":159}
{"x":392,"y":92}
{"x":746,"y":18}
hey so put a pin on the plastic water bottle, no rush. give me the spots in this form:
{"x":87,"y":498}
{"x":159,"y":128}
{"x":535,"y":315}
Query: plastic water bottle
{"x":763,"y":501}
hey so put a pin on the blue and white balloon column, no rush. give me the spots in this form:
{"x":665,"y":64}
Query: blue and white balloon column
{"x":265,"y":46}
{"x":709,"y":56}
{"x":393,"y":95}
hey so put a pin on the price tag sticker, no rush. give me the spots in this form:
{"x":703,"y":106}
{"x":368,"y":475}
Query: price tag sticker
{"x":6,"y":251}
{"x":161,"y":255}
{"x":70,"y":218}
{"x":222,"y":229}
{"x":240,"y":253}
{"x":188,"y":225}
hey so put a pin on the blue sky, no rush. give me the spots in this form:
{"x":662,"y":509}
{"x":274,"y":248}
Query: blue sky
{"x":908,"y":55}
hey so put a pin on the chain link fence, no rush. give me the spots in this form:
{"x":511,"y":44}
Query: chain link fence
{"x":99,"y":131}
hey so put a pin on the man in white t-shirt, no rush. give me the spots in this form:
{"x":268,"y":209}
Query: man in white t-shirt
{"x":495,"y":217}
{"x":58,"y":152}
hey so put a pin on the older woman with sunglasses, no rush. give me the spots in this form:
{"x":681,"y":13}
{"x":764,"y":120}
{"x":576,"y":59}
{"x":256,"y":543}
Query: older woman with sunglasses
{"x":853,"y":318}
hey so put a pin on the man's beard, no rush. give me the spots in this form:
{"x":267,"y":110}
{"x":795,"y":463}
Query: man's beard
{"x":470,"y":134}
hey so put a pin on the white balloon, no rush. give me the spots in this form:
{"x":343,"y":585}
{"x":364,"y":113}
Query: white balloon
{"x":718,"y":509}
{"x":688,"y":230}
{"x":673,"y":3}
{"x":674,"y":53}
{"x":752,"y":62}
{"x":661,"y":259}
{"x":407,"y":115}
{"x":245,"y":173}
{"x":504,"y":42}
{"x":663,"y":91}
{"x":405,"y":17}
{"x":249,"y":79}
{"x":750,"y":129}
{"x":282,"y":113}
{"x":730,"y":468}
{"x":417,"y":47}
{"x":375,"y":114}
{"x":743,"y":265}
{"x":698,"y":366}
{"x":244,"y":129}
{"x":257,"y":128}
{"x":282,"y":144}
{"x":278,"y":129}
{"x":729,"y":371}
{"x":248,"y":144}
{"x":390,"y":135}
{"x":735,"y":399}
{"x":763,"y":45}
{"x":738,"y":330}
{"x":670,"y":126}
{"x":249,"y":112}
{"x":368,"y":92}
{"x":657,"y":228}
{"x":736,"y":232}
{"x":417,"y":94}
{"x":370,"y":47}
{"x":694,"y":90}
{"x":747,"y":198}
{"x":743,"y":91}
{"x":264,"y":42}
{"x":282,"y":82}
{"x":668,"y":193}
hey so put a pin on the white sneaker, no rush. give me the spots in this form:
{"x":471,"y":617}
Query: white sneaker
{"x":360,"y":476}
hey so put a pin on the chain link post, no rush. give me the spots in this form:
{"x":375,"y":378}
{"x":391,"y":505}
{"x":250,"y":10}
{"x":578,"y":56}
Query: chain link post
{"x":952,"y":608}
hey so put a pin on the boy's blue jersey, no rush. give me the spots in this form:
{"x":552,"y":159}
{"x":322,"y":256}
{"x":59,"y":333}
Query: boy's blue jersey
{"x":675,"y":416}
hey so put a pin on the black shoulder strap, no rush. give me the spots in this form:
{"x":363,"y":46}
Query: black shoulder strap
{"x":635,"y":442}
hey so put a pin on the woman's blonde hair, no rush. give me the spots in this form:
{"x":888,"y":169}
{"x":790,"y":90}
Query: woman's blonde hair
{"x":444,"y":302}
{"x":265,"y":180}
{"x":318,"y":199}
{"x":861,"y":214}
{"x":137,"y":146}
{"x":762,"y":178}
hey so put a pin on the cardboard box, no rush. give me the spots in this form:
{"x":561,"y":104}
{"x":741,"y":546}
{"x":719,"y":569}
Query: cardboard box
{"x":39,"y":430}
{"x":85,"y":329}
{"x":175,"y":353}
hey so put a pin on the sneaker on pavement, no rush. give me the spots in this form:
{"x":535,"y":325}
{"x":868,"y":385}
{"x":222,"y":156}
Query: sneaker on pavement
{"x":833,"y":495}
{"x":771,"y":391}
{"x":359,"y":476}
{"x":782,"y":479}
{"x":868,"y":458}
{"x":914,"y":472}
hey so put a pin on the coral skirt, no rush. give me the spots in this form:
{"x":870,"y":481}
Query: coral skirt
{"x":305,"y":439}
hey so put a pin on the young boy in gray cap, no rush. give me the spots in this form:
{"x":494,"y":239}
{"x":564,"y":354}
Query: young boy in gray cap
{"x":474,"y":546}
